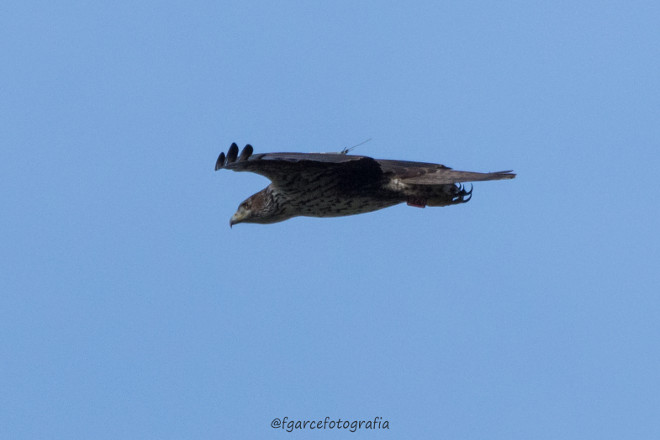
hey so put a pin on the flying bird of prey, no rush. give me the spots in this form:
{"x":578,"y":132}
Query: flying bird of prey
{"x":338,"y":184}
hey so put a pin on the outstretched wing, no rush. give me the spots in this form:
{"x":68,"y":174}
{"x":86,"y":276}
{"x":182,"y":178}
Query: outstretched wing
{"x":421,"y":173}
{"x":288,"y":169}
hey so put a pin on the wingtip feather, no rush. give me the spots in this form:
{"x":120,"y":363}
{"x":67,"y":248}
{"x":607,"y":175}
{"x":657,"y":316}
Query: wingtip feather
{"x":220,"y":162}
{"x":246,"y":153}
{"x":232,"y":153}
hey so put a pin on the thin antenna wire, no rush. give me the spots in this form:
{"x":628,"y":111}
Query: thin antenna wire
{"x":346,"y":150}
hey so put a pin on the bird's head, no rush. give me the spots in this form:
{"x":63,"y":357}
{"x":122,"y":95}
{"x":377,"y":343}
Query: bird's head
{"x":243,"y":213}
{"x":261,"y":207}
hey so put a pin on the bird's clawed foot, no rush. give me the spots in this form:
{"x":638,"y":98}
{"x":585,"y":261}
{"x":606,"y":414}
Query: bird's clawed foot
{"x":461,"y":195}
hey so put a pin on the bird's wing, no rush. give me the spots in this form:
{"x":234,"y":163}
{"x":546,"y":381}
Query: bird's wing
{"x":286,"y":169}
{"x":421,"y":173}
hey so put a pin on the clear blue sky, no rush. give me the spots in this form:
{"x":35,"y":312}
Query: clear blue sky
{"x":130,"y":310}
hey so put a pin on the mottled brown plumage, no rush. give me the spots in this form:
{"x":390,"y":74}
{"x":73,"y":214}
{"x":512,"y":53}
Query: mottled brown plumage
{"x":338,"y":184}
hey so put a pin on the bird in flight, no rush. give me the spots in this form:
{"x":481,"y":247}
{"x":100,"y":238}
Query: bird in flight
{"x":338,"y":184}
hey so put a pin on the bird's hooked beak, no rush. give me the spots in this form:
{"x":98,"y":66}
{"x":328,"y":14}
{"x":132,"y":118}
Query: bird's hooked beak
{"x":240,"y":215}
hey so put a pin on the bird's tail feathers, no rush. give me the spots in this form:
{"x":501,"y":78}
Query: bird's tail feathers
{"x":448,"y":176}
